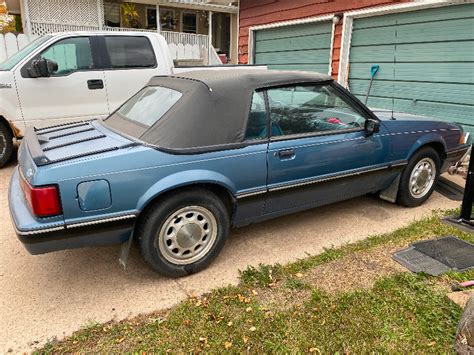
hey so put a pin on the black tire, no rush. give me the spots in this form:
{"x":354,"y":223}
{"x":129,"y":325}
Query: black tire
{"x":161,"y":212}
{"x":408,"y":198}
{"x":6,"y":144}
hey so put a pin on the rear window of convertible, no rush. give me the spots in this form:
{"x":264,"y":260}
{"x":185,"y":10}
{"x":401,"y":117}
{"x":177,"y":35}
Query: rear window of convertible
{"x":148,"y":105}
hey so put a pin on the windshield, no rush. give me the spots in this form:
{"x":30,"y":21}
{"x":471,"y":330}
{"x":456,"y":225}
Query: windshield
{"x":19,"y":56}
{"x":143,"y":110}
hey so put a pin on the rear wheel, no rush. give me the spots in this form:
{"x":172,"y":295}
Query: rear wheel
{"x":6,"y":144}
{"x":419,"y":178}
{"x":183,"y":233}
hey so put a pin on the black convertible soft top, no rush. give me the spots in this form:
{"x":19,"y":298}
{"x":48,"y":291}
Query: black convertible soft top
{"x":214,"y":108}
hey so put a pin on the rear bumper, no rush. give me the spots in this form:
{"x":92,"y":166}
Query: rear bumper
{"x":45,"y":236}
{"x":454,"y":155}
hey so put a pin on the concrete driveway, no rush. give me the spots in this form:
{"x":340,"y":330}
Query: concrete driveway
{"x":55,"y":294}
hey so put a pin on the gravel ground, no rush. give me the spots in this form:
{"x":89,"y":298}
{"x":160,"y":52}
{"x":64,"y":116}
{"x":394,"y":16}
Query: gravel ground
{"x":54,"y":294}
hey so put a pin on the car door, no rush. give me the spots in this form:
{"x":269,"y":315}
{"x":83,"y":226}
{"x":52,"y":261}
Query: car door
{"x":130,"y":62}
{"x":74,"y":92}
{"x":319,"y":152}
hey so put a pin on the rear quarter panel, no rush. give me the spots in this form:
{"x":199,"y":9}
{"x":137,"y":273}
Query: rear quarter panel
{"x":140,"y":174}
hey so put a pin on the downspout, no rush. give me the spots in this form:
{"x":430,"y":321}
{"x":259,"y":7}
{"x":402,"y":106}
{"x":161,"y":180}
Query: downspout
{"x":209,"y":50}
{"x":158,"y":21}
{"x":100,"y":14}
{"x":26,"y":19}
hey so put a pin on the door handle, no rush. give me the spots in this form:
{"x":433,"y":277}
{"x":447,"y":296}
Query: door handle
{"x":286,"y":154}
{"x":95,"y":84}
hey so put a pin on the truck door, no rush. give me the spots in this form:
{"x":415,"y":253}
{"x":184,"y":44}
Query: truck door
{"x":76,"y":91}
{"x":129,"y":63}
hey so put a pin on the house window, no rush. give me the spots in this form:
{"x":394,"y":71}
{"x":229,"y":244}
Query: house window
{"x":168,"y":20}
{"x":151,"y":18}
{"x":189,"y":22}
{"x":112,"y":14}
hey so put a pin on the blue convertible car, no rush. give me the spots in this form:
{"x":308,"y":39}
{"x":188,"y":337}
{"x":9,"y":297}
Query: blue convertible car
{"x":190,"y":156}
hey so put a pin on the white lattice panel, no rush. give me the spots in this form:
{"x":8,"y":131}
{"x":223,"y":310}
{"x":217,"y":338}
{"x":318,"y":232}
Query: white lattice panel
{"x":47,"y":16}
{"x":39,"y":29}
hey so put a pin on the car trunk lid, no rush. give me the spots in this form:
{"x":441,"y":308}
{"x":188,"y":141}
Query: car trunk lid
{"x":63,"y":143}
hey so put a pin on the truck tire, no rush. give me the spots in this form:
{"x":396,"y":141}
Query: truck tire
{"x":6,"y":144}
{"x":182,"y":233}
{"x":419,"y":178}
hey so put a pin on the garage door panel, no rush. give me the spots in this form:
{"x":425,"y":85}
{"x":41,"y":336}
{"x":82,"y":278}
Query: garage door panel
{"x":319,"y":68}
{"x":433,"y":69}
{"x":362,"y":71}
{"x":434,"y":52}
{"x":370,"y":36}
{"x":296,"y":47}
{"x":376,"y":102}
{"x":452,"y":30}
{"x":371,"y":22}
{"x":450,"y":93}
{"x":373,"y":54}
{"x":297,"y":43}
{"x":296,"y":57}
{"x":451,"y":112}
{"x":436,"y":72}
{"x":294,"y":31}
{"x":436,"y":14}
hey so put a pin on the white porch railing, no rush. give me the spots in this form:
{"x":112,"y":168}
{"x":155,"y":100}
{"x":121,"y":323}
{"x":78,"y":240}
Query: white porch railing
{"x":170,"y":36}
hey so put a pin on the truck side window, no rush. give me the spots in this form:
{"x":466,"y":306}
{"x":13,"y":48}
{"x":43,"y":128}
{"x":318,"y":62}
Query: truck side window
{"x":127,"y":52}
{"x":71,"y":54}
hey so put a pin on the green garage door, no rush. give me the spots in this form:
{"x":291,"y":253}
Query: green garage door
{"x":297,"y":47}
{"x":426,"y":60}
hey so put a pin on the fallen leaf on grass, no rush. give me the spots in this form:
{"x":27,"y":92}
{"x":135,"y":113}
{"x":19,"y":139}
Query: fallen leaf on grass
{"x":314,"y":350}
{"x":299,"y":275}
{"x":252,"y":329}
{"x":245,"y":339}
{"x":227,"y":345}
{"x":203,"y":340}
{"x":120,"y":340}
{"x":248,"y":309}
{"x":255,"y":293}
{"x":230,"y":324}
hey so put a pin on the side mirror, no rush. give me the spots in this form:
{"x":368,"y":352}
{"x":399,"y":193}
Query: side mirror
{"x":42,"y":68}
{"x":371,"y":127}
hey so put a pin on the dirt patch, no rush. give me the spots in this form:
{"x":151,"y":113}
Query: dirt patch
{"x":358,"y":270}
{"x":283,"y":298}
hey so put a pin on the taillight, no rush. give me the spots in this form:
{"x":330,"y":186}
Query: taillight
{"x":43,"y":201}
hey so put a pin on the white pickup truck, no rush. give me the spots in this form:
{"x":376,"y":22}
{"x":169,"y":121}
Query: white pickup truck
{"x":66,"y":77}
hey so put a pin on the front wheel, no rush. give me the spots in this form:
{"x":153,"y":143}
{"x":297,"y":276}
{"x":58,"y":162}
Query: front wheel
{"x":419,"y":178}
{"x":183,"y":233}
{"x":6,"y":144}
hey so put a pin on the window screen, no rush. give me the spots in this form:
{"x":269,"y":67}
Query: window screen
{"x":130,"y":52}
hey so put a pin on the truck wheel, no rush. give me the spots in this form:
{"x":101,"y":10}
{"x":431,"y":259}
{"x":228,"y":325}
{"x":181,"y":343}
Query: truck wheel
{"x":183,"y":233}
{"x":6,"y":144}
{"x":419,"y":178}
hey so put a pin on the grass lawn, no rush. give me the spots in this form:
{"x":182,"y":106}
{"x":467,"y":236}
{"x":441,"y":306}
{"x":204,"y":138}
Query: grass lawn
{"x":349,"y":299}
